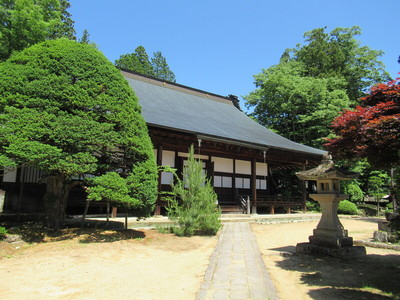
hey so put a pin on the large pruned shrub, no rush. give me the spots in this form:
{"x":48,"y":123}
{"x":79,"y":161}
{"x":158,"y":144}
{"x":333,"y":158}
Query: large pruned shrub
{"x":67,"y":111}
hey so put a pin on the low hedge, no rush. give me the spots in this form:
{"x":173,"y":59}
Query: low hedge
{"x":347,"y":208}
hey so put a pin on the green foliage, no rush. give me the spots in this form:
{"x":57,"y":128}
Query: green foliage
{"x":65,"y":28}
{"x":372,"y":182}
{"x":111,"y":187}
{"x":139,"y":62}
{"x":27,"y":22}
{"x":66,"y":110}
{"x":353,"y":189}
{"x":301,"y":95}
{"x":161,"y":68}
{"x":338,"y":54}
{"x":378,"y":184}
{"x":194,"y":205}
{"x":142,"y":184}
{"x":347,"y":208}
{"x":85,"y":37}
{"x":300,"y":108}
{"x":3,"y":233}
{"x":313,"y":206}
{"x":389,"y":208}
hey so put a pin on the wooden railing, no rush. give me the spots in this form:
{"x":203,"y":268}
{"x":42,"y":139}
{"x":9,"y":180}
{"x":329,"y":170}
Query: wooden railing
{"x":272,"y":202}
{"x":245,"y":204}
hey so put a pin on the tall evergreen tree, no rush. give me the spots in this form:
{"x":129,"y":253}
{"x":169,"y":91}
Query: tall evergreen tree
{"x":66,"y":27}
{"x":85,"y":37}
{"x":139,"y":62}
{"x":161,"y":68}
{"x":26,"y":22}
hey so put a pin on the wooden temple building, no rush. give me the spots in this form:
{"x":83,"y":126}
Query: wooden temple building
{"x":238,"y":154}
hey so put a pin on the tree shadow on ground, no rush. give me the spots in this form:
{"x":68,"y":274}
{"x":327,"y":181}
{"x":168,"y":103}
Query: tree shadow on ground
{"x":112,"y":236}
{"x":287,"y":249}
{"x":342,"y":293}
{"x":94,"y":232}
{"x":369,"y":277}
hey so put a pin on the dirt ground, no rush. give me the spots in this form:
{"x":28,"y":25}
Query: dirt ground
{"x":375,"y":276}
{"x":141,"y":264}
{"x":145,"y":264}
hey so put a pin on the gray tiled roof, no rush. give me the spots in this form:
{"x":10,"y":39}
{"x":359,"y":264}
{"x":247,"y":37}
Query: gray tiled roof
{"x":184,"y":109}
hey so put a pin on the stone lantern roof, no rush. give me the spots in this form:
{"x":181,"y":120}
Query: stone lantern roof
{"x":327,"y":170}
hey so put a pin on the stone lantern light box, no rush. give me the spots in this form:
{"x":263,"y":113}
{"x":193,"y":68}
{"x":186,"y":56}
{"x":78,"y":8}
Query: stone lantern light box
{"x":330,"y":237}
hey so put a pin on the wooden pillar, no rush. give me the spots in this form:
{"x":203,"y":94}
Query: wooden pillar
{"x":234,"y":189}
{"x":157,"y":211}
{"x":254,"y":186}
{"x":270,"y":189}
{"x":114,"y":212}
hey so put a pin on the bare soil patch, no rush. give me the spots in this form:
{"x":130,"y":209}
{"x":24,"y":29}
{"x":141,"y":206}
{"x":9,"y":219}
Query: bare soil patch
{"x":375,"y":276}
{"x":104,"y":264}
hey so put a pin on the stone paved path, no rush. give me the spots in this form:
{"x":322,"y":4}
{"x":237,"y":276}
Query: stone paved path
{"x":236,"y":269}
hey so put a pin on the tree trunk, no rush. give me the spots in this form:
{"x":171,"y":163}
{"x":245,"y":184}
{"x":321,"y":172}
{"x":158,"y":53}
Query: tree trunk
{"x":55,"y":200}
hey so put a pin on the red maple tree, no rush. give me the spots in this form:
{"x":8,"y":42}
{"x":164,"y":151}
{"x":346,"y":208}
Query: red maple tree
{"x":372,"y":129}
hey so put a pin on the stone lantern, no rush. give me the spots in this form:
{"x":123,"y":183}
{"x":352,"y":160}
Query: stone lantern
{"x":330,"y":237}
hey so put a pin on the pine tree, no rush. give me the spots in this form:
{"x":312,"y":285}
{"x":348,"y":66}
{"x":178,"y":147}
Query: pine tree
{"x":194,"y":205}
{"x":85,"y":37}
{"x":138,"y":62}
{"x":161,"y":68}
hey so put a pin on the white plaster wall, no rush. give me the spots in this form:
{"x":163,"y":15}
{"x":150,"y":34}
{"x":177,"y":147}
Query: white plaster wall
{"x":261,"y":169}
{"x":10,"y":175}
{"x":222,"y":164}
{"x":243,"y":167}
{"x":184,"y":154}
{"x":168,"y":158}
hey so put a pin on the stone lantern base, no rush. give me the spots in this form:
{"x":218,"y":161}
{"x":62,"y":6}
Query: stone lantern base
{"x":330,"y":238}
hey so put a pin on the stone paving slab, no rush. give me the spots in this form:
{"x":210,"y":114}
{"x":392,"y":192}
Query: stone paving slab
{"x":236,"y":269}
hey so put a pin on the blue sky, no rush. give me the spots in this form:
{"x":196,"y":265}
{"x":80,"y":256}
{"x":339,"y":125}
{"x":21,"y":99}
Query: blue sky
{"x":218,"y":45}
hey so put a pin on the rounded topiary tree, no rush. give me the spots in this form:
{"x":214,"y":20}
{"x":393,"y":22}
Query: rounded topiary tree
{"x":66,"y":110}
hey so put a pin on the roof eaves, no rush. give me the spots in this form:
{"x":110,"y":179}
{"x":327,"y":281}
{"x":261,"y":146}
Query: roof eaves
{"x":260,"y":147}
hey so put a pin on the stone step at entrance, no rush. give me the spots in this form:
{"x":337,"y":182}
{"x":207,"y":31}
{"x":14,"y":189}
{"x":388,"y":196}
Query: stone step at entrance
{"x":230,"y":209}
